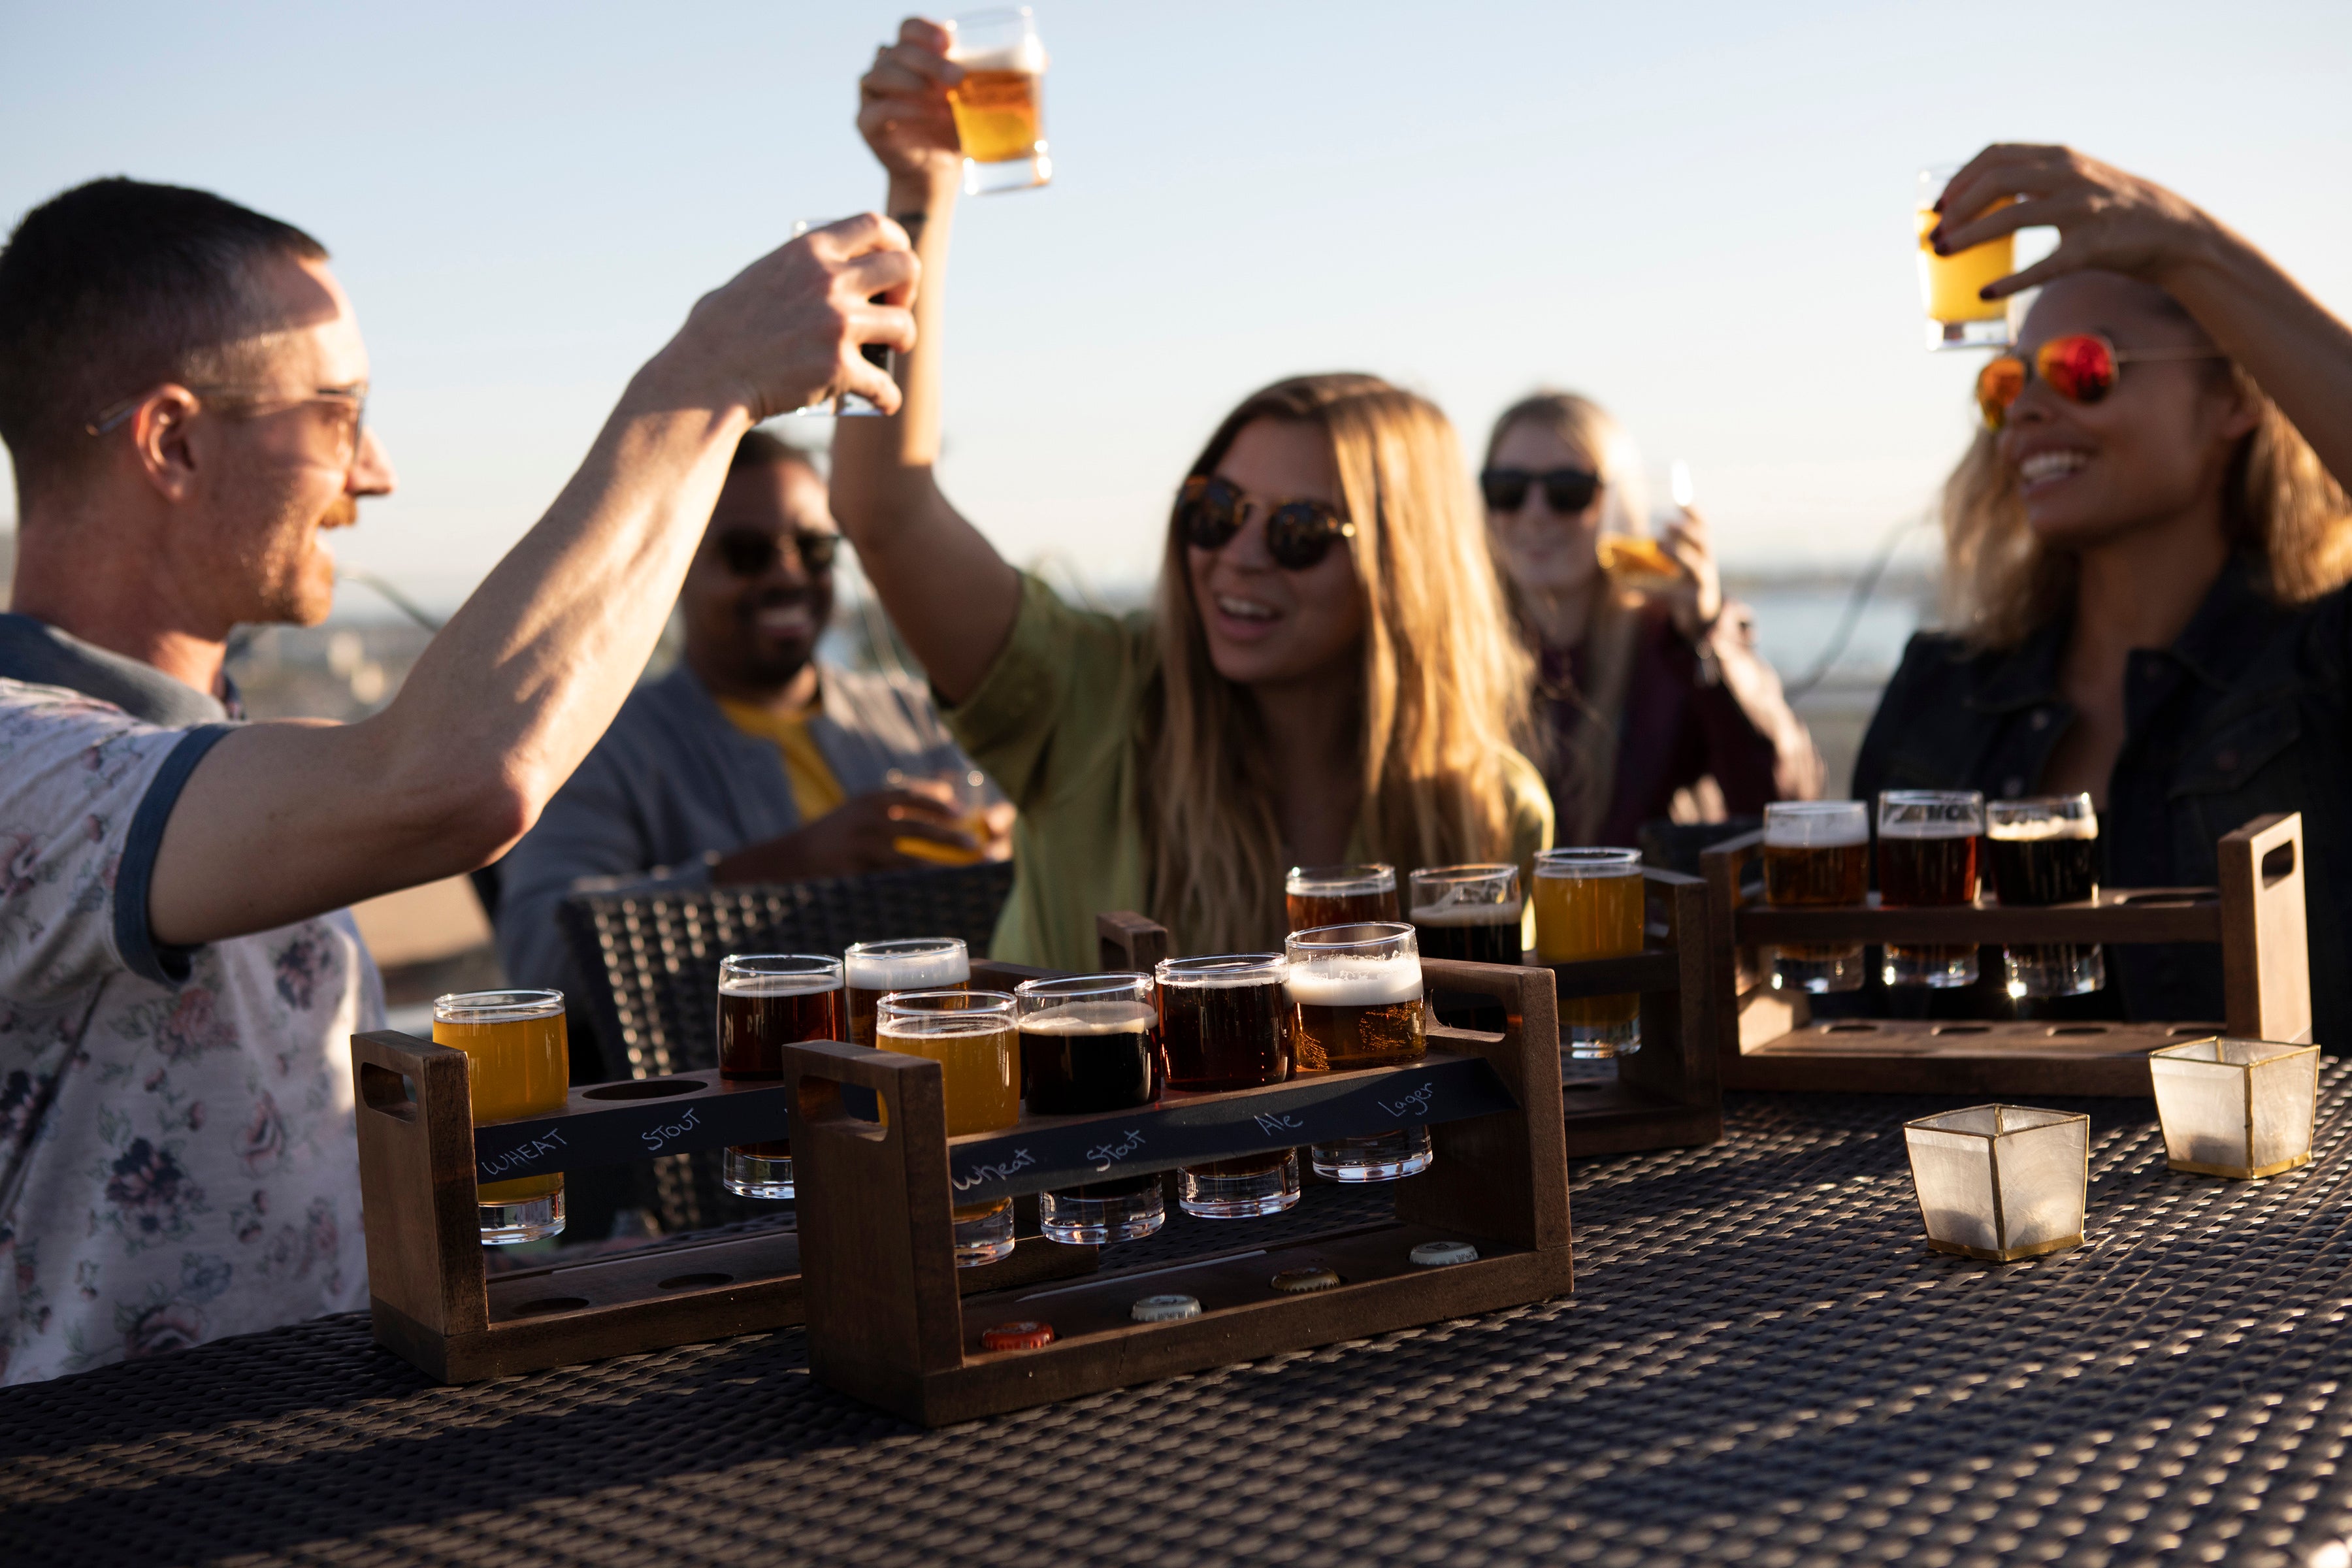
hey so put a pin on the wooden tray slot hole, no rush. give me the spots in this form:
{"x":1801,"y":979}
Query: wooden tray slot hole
{"x":1849,"y":1028}
{"x":1961,"y":1029}
{"x":392,"y":1093}
{"x":547,"y":1304}
{"x":2278,"y":864}
{"x":694,"y":1281}
{"x":2080,"y":1030}
{"x":646,"y":1088}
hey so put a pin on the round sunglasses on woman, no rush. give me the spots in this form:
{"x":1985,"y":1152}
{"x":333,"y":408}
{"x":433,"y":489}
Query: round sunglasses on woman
{"x":2081,"y":367}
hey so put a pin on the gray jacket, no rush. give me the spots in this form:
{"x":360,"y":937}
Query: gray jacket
{"x":673,"y":786}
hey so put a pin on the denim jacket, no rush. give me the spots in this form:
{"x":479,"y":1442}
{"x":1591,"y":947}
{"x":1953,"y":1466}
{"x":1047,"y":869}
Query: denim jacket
{"x":2249,"y":712}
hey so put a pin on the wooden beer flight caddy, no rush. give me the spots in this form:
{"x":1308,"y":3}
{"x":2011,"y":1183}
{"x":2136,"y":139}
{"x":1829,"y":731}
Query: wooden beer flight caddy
{"x":1769,"y":1040}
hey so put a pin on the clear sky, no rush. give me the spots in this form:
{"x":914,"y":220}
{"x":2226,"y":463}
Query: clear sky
{"x":1698,"y":212}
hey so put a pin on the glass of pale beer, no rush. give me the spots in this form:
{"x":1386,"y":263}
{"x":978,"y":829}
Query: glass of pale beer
{"x":1091,"y":1043}
{"x":1927,"y":860}
{"x":872,"y":969}
{"x":1000,"y":105}
{"x":1957,"y":317}
{"x":1589,"y":905}
{"x":1816,"y":853}
{"x":1339,"y":895}
{"x":1224,"y":1023}
{"x":2043,"y":850}
{"x":519,"y":1064}
{"x":974,"y":1038}
{"x":766,"y":1001}
{"x":1355,"y":994}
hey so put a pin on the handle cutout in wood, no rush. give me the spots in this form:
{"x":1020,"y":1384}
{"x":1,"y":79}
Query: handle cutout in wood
{"x":386,"y":1092}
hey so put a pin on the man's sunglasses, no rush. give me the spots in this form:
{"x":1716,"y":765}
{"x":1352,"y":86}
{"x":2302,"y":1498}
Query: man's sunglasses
{"x":1566,"y":491}
{"x":747,"y":552}
{"x":1298,"y":534}
{"x":2081,"y":367}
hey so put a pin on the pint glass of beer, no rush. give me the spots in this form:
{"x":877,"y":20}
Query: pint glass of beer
{"x":1089,"y":1043}
{"x":1816,"y":852}
{"x":766,"y":1001}
{"x":1355,"y":994}
{"x":974,"y":1037}
{"x":519,"y":1065}
{"x":871,"y":970}
{"x":1339,"y":895}
{"x":1224,"y":1023}
{"x":1927,"y":858}
{"x":1000,"y":105}
{"x":1957,"y":318}
{"x":2044,"y":851}
{"x":1589,"y":905}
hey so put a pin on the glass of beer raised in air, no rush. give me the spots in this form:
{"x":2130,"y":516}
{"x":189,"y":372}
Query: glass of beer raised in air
{"x":519,"y":1064}
{"x":1091,"y":1043}
{"x":871,"y":970}
{"x":1339,"y":895}
{"x":1957,"y":317}
{"x":1927,"y":860}
{"x":974,"y":1037}
{"x":1224,"y":1024}
{"x":1589,"y":905}
{"x":1816,"y":852}
{"x":766,"y":1001}
{"x":2044,"y":849}
{"x":1355,"y":991}
{"x":1000,"y":105}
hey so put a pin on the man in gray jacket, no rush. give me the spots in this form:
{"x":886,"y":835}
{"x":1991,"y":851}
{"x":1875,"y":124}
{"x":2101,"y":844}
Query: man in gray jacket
{"x":753,"y":760}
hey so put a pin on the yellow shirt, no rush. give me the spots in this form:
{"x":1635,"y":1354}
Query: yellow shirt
{"x":815,"y":789}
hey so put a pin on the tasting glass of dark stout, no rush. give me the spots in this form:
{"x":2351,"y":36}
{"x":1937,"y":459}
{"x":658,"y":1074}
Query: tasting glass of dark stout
{"x":1339,"y":895}
{"x":2044,"y":851}
{"x":1090,"y":1043}
{"x":1224,"y":1024}
{"x":1927,"y":860}
{"x":1356,"y":995}
{"x":766,"y":1001}
{"x":1816,"y":854}
{"x":872,"y":969}
{"x":1471,"y":914}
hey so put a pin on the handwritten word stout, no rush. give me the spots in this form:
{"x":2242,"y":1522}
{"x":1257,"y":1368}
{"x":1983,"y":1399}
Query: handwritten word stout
{"x":1104,"y":1155}
{"x":657,"y":1139}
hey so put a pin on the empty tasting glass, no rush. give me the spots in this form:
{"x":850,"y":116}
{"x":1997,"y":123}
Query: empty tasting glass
{"x":1224,"y":1024}
{"x":519,"y":1064}
{"x":2043,"y":850}
{"x":1927,"y":860}
{"x":974,"y":1037}
{"x":1000,"y":105}
{"x":1470,"y":914}
{"x":1091,"y":1043}
{"x":1816,"y":852}
{"x":871,"y":970}
{"x":766,"y":1001}
{"x":1356,"y":995}
{"x":1339,"y":895}
{"x":1589,"y":905}
{"x":1958,"y":318}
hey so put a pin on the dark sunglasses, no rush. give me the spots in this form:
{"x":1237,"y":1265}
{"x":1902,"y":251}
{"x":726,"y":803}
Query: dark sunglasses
{"x":1298,"y":534}
{"x":2081,"y":367}
{"x":747,"y":552}
{"x":1565,"y":490}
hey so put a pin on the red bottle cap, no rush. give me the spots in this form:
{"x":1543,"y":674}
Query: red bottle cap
{"x":1022,"y":1336}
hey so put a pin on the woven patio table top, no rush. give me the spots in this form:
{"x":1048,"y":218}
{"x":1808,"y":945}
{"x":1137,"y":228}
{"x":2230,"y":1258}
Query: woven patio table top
{"x":1762,"y":1363}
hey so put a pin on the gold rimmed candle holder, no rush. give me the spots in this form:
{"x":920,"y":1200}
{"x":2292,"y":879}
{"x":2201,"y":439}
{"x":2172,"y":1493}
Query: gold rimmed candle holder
{"x":2002,"y":1182}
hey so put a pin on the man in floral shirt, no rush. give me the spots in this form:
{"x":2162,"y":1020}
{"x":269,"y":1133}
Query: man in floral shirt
{"x":181,"y":390}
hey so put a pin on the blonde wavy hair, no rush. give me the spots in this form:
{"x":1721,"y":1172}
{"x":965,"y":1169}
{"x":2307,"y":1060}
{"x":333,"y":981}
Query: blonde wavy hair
{"x":2001,"y":585}
{"x":1444,"y":692}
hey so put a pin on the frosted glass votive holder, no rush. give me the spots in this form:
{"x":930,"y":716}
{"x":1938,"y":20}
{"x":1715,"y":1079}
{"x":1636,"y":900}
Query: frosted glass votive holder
{"x":2002,"y":1182}
{"x":2236,"y":1108}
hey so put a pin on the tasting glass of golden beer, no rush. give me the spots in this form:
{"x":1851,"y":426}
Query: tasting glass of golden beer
{"x":1957,"y":317}
{"x":2043,"y":850}
{"x":1816,"y":853}
{"x":519,"y":1065}
{"x":1000,"y":105}
{"x":766,"y":1001}
{"x":872,"y":969}
{"x":1355,"y":997}
{"x":974,"y":1038}
{"x":1339,"y":895}
{"x":1090,"y":1043}
{"x":1224,"y":1024}
{"x":1927,"y":860}
{"x":1589,"y":905}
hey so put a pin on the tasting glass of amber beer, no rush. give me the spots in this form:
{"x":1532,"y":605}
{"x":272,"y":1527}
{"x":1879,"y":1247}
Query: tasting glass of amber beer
{"x":871,"y":970}
{"x":519,"y":1065}
{"x":1355,"y":992}
{"x":1957,"y":317}
{"x":2044,"y":851}
{"x":766,"y":1001}
{"x":1224,"y":1024}
{"x":1000,"y":105}
{"x":1816,"y":852}
{"x":1589,"y":905}
{"x":1091,"y":1043}
{"x":1470,"y":914}
{"x":1927,"y":860}
{"x":974,"y":1038}
{"x":1339,"y":895}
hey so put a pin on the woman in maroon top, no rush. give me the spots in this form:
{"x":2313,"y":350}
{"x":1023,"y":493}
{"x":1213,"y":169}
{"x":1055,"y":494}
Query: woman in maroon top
{"x":1655,"y":698}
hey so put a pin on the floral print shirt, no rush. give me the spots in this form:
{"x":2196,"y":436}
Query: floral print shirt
{"x":177,"y":1159}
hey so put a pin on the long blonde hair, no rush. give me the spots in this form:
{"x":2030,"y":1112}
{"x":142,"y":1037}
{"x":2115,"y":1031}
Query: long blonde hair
{"x":1444,"y":693}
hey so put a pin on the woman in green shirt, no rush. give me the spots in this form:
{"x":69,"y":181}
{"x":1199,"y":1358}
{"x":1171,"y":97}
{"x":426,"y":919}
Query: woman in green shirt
{"x":1327,"y":674}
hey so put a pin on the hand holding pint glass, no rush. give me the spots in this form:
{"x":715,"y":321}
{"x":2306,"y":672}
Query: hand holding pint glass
{"x":1958,"y":317}
{"x":1000,"y":104}
{"x":1927,"y":860}
{"x":1816,"y":853}
{"x":519,"y":1064}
